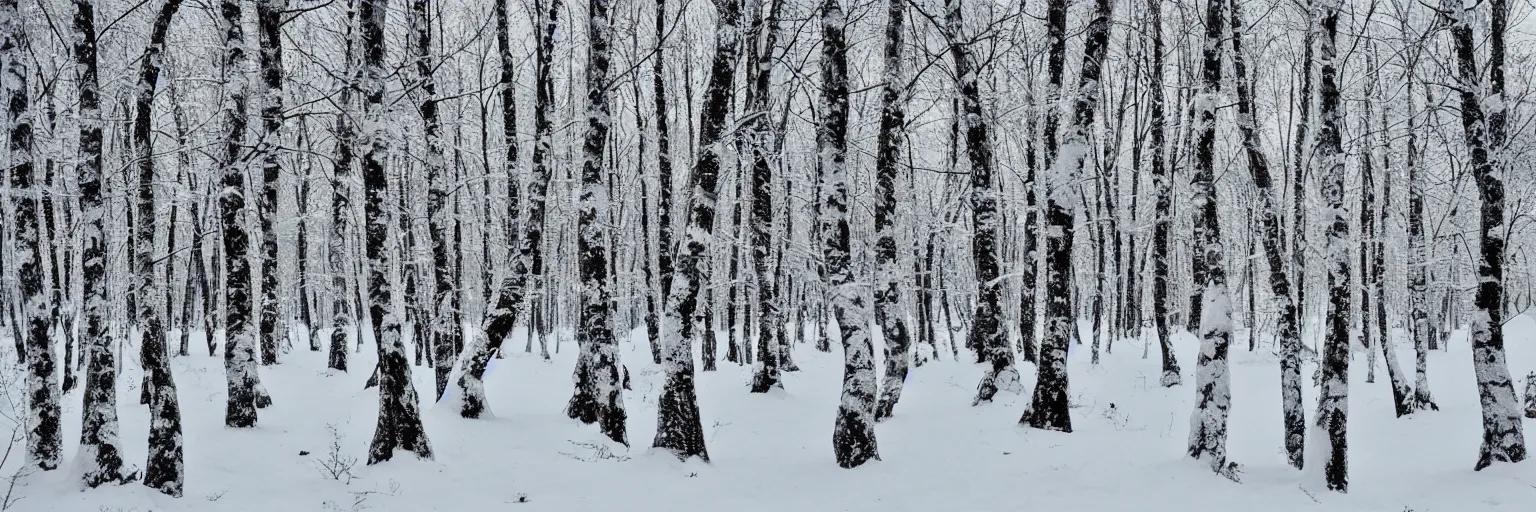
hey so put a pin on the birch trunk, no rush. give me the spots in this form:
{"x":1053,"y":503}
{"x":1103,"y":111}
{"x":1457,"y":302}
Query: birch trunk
{"x":43,"y":430}
{"x":100,"y":456}
{"x":399,"y":424}
{"x":1213,"y":379}
{"x":163,"y":470}
{"x":1288,"y":334}
{"x":1163,"y":188}
{"x":1503,"y":433}
{"x":888,"y":311}
{"x":678,"y":427}
{"x":1330,"y":424}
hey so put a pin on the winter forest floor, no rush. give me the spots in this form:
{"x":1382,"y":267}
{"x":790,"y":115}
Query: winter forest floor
{"x":773,"y":452}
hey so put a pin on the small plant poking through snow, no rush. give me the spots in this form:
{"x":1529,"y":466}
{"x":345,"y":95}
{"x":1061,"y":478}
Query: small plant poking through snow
{"x":336,"y":464}
{"x":11,"y":496}
{"x":595,"y":451}
{"x":360,"y":499}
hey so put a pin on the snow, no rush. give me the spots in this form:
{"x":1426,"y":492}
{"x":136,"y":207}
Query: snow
{"x":773,"y":451}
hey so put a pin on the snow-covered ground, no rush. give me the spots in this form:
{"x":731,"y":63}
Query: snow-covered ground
{"x":773,"y":452}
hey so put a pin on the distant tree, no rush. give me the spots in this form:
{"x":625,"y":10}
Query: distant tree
{"x":1163,"y":189}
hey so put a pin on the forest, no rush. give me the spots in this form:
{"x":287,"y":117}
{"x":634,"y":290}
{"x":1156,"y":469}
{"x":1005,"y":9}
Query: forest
{"x":605,"y":254}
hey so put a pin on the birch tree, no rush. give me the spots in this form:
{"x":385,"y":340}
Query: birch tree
{"x":597,"y":369}
{"x":1163,"y":189}
{"x":239,"y":341}
{"x":987,"y":332}
{"x":163,"y":470}
{"x":100,"y":454}
{"x":44,"y":437}
{"x":1213,"y":380}
{"x":512,"y":293}
{"x":853,"y":434}
{"x":1330,"y":424}
{"x":888,"y":273}
{"x":1048,"y":407}
{"x":399,"y":424}
{"x":444,"y":315}
{"x":1486,"y":134}
{"x":678,"y":427}
{"x":766,"y":370}
{"x":1288,"y":329}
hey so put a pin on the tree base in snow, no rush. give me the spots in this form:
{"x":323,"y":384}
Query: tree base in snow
{"x":853,"y":439}
{"x":678,"y":427}
{"x":1530,"y":395}
{"x":1005,"y":379}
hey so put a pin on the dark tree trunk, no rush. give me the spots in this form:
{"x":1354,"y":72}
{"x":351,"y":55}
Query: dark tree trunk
{"x":508,"y":92}
{"x":1363,"y":233}
{"x":602,"y":400}
{"x":1301,"y":146}
{"x":1402,"y":395}
{"x":1048,"y":407}
{"x":100,"y":451}
{"x":399,"y":424}
{"x":511,"y":298}
{"x":1418,"y":264}
{"x":444,"y":309}
{"x":269,"y":24}
{"x":766,"y":373}
{"x":193,"y":274}
{"x":1530,"y":395}
{"x":888,"y":310}
{"x":163,"y":470}
{"x":239,"y":341}
{"x":1213,"y":379}
{"x":853,"y":434}
{"x":664,"y":189}
{"x":1287,"y":333}
{"x":1503,"y":434}
{"x":341,"y":206}
{"x":1163,"y":188}
{"x":678,"y":428}
{"x":1097,"y":220}
{"x":987,"y":333}
{"x":59,"y":267}
{"x":1332,"y":413}
{"x":733,"y":274}
{"x":43,"y":430}
{"x":306,"y":313}
{"x":708,"y":345}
